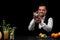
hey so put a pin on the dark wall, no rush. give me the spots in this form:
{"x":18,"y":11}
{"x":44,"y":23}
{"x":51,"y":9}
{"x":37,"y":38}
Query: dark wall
{"x":20,"y":14}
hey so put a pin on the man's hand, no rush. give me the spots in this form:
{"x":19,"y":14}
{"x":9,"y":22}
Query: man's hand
{"x":38,"y":19}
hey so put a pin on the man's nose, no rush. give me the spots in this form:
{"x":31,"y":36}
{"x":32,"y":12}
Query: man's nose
{"x":41,"y":12}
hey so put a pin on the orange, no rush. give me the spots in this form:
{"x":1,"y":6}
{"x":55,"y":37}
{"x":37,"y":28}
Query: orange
{"x":52,"y":35}
{"x":58,"y":33}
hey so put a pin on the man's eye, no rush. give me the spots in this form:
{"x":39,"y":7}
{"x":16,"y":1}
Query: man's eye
{"x":43,"y":10}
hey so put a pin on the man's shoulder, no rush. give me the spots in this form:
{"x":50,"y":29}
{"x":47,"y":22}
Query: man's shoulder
{"x":50,"y":18}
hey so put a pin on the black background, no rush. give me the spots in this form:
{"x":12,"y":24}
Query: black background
{"x":19,"y":14}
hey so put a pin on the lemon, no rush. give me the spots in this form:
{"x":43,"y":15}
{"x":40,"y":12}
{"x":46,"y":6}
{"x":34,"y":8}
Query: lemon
{"x":40,"y":34}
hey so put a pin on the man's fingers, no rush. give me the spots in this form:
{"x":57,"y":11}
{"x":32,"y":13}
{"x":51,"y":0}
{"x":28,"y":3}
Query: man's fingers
{"x":34,"y":13}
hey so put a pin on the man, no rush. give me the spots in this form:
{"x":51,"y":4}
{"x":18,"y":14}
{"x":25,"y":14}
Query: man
{"x":41,"y":20}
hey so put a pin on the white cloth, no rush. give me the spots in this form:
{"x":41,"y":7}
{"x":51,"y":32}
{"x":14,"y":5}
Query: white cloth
{"x":47,"y":27}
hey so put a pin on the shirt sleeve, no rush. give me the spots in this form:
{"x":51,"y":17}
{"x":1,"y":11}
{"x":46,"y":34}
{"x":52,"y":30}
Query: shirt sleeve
{"x":31,"y":25}
{"x":48,"y":26}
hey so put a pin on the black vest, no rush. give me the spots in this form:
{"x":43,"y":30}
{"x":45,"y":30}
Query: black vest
{"x":37,"y":30}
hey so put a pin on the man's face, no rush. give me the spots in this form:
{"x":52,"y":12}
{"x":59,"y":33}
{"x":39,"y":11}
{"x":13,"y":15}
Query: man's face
{"x":42,"y":10}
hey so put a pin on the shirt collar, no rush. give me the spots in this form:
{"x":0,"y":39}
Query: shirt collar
{"x":44,"y":17}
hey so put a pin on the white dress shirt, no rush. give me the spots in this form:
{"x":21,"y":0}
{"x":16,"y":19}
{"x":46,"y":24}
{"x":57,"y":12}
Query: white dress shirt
{"x":47,"y":27}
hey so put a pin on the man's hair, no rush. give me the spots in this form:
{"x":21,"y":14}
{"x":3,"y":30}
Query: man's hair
{"x":42,"y":5}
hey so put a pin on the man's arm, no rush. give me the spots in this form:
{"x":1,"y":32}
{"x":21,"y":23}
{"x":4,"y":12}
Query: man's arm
{"x":35,"y":19}
{"x":48,"y":26}
{"x":31,"y":25}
